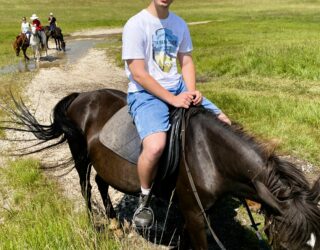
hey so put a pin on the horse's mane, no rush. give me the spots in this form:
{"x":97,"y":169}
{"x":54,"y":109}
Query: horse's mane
{"x":284,"y":180}
{"x":236,"y":129}
{"x":288,"y":184}
{"x":20,"y":40}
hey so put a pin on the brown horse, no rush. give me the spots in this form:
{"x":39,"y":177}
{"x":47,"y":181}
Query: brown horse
{"x":21,"y":43}
{"x":222,"y":160}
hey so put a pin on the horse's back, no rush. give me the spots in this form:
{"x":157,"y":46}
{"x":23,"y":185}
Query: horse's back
{"x":91,"y":110}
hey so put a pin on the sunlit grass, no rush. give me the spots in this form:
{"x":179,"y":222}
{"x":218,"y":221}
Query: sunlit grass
{"x":34,"y":215}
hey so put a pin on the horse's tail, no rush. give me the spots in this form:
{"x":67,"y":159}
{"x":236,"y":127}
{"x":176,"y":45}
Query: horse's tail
{"x":60,"y":118}
{"x":62,"y":128}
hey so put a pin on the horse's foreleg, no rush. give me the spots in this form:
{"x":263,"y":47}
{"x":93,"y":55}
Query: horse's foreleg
{"x":59,"y":44}
{"x":103,"y":189}
{"x":56,"y":41}
{"x":38,"y":53}
{"x":194,"y":231}
{"x":25,"y":54}
{"x":44,"y":47}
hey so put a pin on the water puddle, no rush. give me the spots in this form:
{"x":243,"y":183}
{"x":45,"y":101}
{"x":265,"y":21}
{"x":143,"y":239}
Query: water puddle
{"x":75,"y":50}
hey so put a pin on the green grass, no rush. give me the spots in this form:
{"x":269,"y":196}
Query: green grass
{"x":34,"y":214}
{"x":288,"y":113}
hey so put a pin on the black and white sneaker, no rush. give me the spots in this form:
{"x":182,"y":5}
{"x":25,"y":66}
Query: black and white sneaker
{"x":143,"y":216}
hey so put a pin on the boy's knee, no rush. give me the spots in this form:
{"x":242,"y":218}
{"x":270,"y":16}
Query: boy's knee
{"x":154,"y":149}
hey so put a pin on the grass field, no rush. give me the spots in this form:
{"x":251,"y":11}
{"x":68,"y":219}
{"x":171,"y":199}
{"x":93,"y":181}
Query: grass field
{"x":258,"y":60}
{"x":34,"y":215}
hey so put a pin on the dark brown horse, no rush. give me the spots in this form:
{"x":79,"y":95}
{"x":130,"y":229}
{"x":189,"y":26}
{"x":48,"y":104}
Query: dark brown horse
{"x":21,"y":43}
{"x":57,"y":35}
{"x":222,"y":160}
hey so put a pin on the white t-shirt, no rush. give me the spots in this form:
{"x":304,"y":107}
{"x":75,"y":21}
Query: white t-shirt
{"x":158,"y":42}
{"x":25,"y":27}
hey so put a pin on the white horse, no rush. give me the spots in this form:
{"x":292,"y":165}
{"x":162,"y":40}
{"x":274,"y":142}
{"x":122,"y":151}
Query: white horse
{"x":36,"y":44}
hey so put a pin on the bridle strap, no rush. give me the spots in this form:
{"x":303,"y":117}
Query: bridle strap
{"x":193,"y":186}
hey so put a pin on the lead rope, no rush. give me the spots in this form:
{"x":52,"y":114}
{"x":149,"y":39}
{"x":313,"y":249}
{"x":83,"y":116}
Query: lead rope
{"x":193,"y":187}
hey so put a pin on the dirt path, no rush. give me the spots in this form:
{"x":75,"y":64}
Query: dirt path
{"x":93,"y":71}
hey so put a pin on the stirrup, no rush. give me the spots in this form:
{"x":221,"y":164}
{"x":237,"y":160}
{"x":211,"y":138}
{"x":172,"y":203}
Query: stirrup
{"x":143,"y":217}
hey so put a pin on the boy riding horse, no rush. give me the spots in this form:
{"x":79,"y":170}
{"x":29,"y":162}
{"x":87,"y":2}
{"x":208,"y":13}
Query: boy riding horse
{"x":154,"y":41}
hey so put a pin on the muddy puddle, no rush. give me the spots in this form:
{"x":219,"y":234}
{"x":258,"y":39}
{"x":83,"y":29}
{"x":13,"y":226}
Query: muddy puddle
{"x":75,"y":50}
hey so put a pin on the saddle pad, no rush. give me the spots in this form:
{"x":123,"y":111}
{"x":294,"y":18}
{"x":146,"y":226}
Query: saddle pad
{"x":120,"y":135}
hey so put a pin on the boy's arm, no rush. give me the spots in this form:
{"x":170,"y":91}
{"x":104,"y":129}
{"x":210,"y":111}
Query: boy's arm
{"x":141,"y":76}
{"x":189,"y":75}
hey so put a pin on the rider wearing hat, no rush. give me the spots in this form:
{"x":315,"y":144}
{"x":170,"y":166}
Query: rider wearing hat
{"x":52,"y":22}
{"x":36,"y":23}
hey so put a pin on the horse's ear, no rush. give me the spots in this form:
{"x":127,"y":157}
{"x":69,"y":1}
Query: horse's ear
{"x":316,"y":191}
{"x":267,"y":197}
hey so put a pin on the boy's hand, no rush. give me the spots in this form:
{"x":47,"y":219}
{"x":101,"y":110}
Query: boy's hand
{"x":224,"y":118}
{"x":197,"y":98}
{"x":183,"y":100}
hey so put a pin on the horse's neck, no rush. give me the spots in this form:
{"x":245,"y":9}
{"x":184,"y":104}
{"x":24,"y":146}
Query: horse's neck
{"x":34,"y":40}
{"x":21,"y":39}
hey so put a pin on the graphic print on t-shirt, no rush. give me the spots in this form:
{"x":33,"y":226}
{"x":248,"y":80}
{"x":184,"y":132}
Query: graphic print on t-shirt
{"x":164,"y":46}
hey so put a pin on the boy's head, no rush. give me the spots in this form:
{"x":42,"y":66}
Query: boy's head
{"x":162,"y":3}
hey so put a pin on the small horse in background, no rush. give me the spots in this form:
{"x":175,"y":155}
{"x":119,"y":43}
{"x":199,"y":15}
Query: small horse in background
{"x":222,"y":160}
{"x":57,"y":35}
{"x":38,"y":42}
{"x":21,"y":43}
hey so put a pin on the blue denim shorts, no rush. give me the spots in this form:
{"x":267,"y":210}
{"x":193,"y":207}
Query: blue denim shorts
{"x":151,"y":115}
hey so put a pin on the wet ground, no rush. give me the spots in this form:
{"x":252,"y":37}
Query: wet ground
{"x":76,"y":48}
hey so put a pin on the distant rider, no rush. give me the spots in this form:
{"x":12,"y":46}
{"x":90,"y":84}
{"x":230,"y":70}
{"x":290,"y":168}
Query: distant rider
{"x":52,"y":22}
{"x":36,"y":23}
{"x":25,"y":28}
